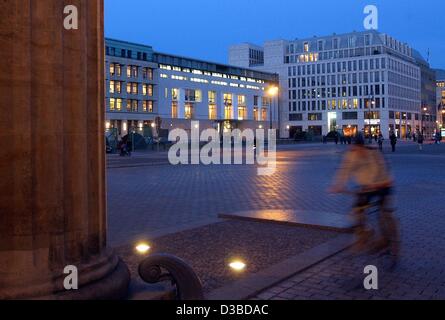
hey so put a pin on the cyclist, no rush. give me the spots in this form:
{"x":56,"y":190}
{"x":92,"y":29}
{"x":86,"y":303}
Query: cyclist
{"x":367,"y":168}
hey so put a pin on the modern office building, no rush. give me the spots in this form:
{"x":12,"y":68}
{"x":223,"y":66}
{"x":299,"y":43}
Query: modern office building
{"x":351,"y":82}
{"x":143,"y":85}
{"x":440,"y":98}
{"x":428,"y":96}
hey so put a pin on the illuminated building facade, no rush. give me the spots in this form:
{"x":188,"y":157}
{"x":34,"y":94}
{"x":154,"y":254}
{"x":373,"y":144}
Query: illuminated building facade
{"x":142,"y":85}
{"x":440,"y":99}
{"x":428,"y":96}
{"x":348,"y":83}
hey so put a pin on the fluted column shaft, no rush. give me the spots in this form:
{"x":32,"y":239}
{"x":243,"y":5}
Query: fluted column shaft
{"x":52,"y":162}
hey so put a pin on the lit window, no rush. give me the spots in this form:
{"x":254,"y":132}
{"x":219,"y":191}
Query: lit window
{"x":306,"y":47}
{"x":147,"y":106}
{"x":147,"y":73}
{"x":188,"y":111}
{"x":241,"y":100}
{"x":242,"y":114}
{"x":112,"y":104}
{"x":147,"y":90}
{"x":175,"y":94}
{"x":174,"y":110}
{"x":212,"y":112}
{"x":255,"y":114}
{"x":264,"y":114}
{"x":212,"y":97}
{"x":228,"y":112}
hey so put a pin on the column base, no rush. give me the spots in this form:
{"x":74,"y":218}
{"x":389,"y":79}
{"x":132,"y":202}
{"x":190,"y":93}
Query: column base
{"x":107,"y":278}
{"x":113,"y":287}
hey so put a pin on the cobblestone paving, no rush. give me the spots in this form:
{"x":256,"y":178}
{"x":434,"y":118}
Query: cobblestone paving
{"x":421,"y":273}
{"x":147,"y":199}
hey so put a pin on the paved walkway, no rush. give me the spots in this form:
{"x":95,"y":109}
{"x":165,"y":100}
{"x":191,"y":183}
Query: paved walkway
{"x":421,"y":273}
{"x":146,"y":200}
{"x":142,"y":200}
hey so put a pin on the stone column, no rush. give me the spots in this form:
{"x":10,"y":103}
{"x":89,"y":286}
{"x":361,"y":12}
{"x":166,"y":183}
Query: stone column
{"x":52,"y":162}
{"x":181,"y":104}
{"x":235,"y":107}
{"x":221,"y":108}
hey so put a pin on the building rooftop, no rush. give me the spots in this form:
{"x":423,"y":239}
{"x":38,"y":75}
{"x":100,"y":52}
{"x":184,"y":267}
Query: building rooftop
{"x":355,"y":39}
{"x":148,"y":54}
{"x":440,"y":74}
{"x":419,"y":58}
{"x":186,"y":62}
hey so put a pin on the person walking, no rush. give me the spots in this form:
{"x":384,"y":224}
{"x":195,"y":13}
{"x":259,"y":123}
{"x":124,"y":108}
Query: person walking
{"x":380,"y":141}
{"x":393,"y":139}
{"x":438,"y":137}
{"x":420,"y":140}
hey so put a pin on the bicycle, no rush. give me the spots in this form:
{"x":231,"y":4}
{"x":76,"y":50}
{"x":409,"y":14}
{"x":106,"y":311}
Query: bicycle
{"x":388,"y":242}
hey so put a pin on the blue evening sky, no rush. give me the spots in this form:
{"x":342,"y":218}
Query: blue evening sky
{"x":206,"y":28}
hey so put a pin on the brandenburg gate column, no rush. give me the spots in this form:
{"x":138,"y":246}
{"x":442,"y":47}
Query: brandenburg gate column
{"x":52,"y":162}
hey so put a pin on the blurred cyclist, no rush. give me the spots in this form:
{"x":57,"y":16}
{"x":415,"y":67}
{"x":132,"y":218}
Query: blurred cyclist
{"x":366,"y":167}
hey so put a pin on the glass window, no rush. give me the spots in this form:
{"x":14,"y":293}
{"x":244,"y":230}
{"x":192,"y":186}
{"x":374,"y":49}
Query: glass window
{"x":241,"y":100}
{"x":212,"y":112}
{"x":174,"y":110}
{"x":147,"y":106}
{"x":188,"y":111}
{"x":264,"y":114}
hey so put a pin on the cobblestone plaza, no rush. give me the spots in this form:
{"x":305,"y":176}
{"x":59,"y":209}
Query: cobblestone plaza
{"x":147,"y":196}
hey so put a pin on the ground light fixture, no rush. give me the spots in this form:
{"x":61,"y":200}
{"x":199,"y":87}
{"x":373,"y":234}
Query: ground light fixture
{"x":237,"y":265}
{"x":143,"y":248}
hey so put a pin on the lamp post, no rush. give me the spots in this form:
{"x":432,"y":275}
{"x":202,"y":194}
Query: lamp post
{"x":424,"y":114}
{"x":272,"y":92}
{"x":442,"y":112}
{"x":372,"y":103}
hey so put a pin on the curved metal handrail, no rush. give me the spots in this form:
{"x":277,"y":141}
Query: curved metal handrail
{"x":188,"y":285}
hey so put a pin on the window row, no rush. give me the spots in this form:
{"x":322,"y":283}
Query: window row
{"x":331,"y":43}
{"x":336,"y":67}
{"x":332,"y":55}
{"x":340,"y":79}
{"x":126,"y":53}
{"x":132,"y":71}
{"x":340,"y":104}
{"x":196,"y":96}
{"x":134,"y":88}
{"x":131,"y":105}
{"x":259,"y":114}
{"x":334,"y":92}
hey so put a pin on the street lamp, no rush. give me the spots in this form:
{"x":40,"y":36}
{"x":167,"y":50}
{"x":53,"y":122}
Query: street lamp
{"x":133,"y":132}
{"x":272,"y":92}
{"x":372,"y":103}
